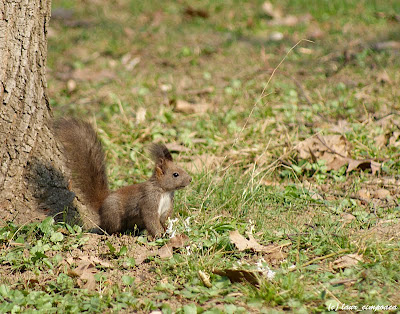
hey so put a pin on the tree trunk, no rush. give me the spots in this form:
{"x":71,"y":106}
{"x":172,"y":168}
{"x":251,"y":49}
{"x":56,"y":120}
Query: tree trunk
{"x":33,"y":180}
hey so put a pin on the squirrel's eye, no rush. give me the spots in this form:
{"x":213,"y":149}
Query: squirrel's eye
{"x":175,"y":174}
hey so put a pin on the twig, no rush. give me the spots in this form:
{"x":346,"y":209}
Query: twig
{"x":331,"y":150}
{"x":303,"y":92}
{"x":320,"y":258}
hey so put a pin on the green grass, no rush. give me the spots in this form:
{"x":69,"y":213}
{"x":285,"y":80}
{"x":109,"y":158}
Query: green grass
{"x":150,"y":55}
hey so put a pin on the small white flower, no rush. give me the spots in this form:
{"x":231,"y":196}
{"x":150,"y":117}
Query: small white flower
{"x":186,"y":224}
{"x":170,"y":228}
{"x":264,"y":268}
{"x":270,"y":274}
{"x":188,"y":251}
{"x":251,"y":226}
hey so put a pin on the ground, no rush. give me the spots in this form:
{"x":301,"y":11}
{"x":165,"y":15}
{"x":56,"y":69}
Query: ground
{"x":286,"y":114}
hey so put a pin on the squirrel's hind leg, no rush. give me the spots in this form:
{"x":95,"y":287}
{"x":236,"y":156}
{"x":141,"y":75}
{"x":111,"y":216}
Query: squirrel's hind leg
{"x":111,"y":214}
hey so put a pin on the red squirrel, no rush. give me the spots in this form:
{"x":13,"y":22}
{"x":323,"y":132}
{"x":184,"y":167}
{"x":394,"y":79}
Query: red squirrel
{"x":146,"y":205}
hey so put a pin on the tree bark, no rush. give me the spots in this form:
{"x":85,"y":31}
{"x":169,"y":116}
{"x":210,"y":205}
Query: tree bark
{"x":33,"y":180}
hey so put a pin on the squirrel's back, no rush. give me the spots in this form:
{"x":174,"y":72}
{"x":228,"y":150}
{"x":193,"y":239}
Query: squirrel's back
{"x":85,"y":157}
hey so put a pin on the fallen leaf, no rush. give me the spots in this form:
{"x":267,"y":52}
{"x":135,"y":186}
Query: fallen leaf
{"x":240,"y":242}
{"x":334,"y":149}
{"x":314,"y":32}
{"x":381,"y":140}
{"x":251,"y":244}
{"x":141,"y":254}
{"x":165,"y":252}
{"x":187,"y":107}
{"x":240,"y":275}
{"x":347,"y":261}
{"x":382,"y":194}
{"x":85,"y":271}
{"x":393,"y":140}
{"x":383,"y":77}
{"x":363,"y":165}
{"x":178,"y":241}
{"x":364,"y":194}
{"x":347,"y":217}
{"x":341,"y":127}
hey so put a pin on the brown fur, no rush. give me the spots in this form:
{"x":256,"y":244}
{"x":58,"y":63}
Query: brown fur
{"x":85,"y":158}
{"x":134,"y":205}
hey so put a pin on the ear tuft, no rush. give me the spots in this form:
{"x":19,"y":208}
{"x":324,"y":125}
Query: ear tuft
{"x":159,"y":152}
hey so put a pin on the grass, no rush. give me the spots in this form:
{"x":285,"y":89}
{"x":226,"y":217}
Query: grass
{"x":113,"y":61}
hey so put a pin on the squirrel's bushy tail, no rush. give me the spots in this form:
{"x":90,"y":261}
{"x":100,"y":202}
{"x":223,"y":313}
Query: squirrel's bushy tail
{"x":85,"y":159}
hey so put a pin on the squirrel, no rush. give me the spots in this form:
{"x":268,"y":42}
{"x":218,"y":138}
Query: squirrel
{"x":146,"y":205}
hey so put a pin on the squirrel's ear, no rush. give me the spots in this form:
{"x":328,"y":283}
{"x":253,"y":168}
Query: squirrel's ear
{"x":159,"y":171}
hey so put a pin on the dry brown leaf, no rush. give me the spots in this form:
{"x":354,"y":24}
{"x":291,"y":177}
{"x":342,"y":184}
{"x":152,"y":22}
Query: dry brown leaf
{"x":165,"y":251}
{"x":240,"y":275}
{"x":254,"y":245}
{"x":178,"y":241}
{"x":238,"y":240}
{"x":347,"y":261}
{"x":341,"y":127}
{"x":382,"y":194}
{"x":363,"y":165}
{"x":187,"y":107}
{"x":141,"y":254}
{"x":347,"y":217}
{"x":95,"y":261}
{"x":381,"y":140}
{"x":85,"y":272}
{"x":334,"y":149}
{"x":364,"y":194}
{"x":314,"y":32}
{"x":393,"y":140}
{"x":337,"y":163}
{"x":251,"y":244}
{"x":383,"y":77}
